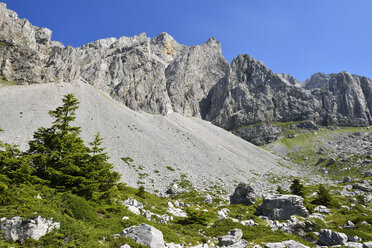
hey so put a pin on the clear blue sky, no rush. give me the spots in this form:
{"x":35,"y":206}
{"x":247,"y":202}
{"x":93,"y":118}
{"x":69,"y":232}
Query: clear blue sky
{"x":298,"y":37}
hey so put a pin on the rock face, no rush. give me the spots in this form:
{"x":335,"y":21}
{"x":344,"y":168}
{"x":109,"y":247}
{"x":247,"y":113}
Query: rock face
{"x":329,"y":238}
{"x":160,"y":76}
{"x":17,"y":228}
{"x":317,"y":80}
{"x":282,"y":207}
{"x":156,"y":75}
{"x":251,"y":94}
{"x":144,"y":234}
{"x":244,"y":194}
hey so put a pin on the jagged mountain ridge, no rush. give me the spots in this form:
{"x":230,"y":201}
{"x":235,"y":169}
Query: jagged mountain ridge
{"x":160,"y":76}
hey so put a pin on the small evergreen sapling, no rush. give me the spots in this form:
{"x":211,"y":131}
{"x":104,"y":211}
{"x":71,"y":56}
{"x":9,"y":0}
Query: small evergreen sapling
{"x":323,"y":197}
{"x":297,"y":188}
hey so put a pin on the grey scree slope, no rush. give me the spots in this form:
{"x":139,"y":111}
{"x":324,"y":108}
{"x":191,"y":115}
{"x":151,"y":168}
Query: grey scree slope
{"x":207,"y":154}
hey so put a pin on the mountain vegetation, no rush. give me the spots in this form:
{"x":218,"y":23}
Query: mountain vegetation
{"x":60,"y":177}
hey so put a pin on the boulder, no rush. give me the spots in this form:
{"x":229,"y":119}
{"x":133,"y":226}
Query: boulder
{"x":244,"y":194}
{"x":362,"y":187}
{"x":368,"y":174}
{"x":282,"y":207}
{"x":354,"y":239}
{"x":367,"y":244}
{"x":208,"y":199}
{"x":349,"y":225}
{"x":133,"y":202}
{"x":354,"y":245}
{"x":134,"y":210}
{"x":173,"y":190}
{"x":144,"y":234}
{"x":233,"y":239}
{"x":322,"y":209}
{"x":178,"y":212}
{"x":223,"y":213}
{"x":248,"y":223}
{"x":346,"y":180}
{"x":17,"y":228}
{"x":285,"y":244}
{"x":331,"y":161}
{"x":329,"y":238}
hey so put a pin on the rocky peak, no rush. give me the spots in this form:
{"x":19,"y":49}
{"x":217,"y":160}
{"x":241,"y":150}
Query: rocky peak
{"x":290,"y":79}
{"x":317,"y":80}
{"x":20,"y":31}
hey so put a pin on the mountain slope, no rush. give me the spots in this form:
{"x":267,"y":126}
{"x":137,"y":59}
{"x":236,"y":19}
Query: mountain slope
{"x":205,"y":154}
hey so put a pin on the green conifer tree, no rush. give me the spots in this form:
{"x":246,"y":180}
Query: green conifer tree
{"x":297,"y":188}
{"x":98,"y":170}
{"x":323,"y":197}
{"x":61,"y":158}
{"x":14,"y":166}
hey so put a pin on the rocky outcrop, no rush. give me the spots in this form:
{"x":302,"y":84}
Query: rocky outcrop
{"x":329,"y":238}
{"x":233,"y":239}
{"x":250,"y":95}
{"x":291,"y":226}
{"x":160,"y":76}
{"x":286,"y":244}
{"x":243,"y":194}
{"x":290,"y":79}
{"x":282,"y":207}
{"x":317,"y":80}
{"x":17,"y":228}
{"x":144,"y":234}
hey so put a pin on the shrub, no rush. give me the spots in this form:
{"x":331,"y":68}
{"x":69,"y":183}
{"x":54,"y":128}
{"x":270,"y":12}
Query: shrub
{"x":280,"y":190}
{"x":141,"y":192}
{"x":194,"y":217}
{"x":323,"y":197}
{"x":297,"y":188}
{"x":79,"y":208}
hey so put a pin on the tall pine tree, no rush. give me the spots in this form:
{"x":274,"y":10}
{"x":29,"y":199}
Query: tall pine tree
{"x":61,"y":158}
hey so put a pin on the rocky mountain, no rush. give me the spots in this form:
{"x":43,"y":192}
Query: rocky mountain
{"x":160,"y":76}
{"x":155,"y":75}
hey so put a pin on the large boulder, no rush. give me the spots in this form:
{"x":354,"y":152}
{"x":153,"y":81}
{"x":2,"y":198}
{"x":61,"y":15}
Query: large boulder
{"x":286,"y":244}
{"x":17,"y":228}
{"x":282,"y":207}
{"x":329,"y":238}
{"x":233,"y":239}
{"x":244,"y":194}
{"x":367,"y":244}
{"x":144,"y":234}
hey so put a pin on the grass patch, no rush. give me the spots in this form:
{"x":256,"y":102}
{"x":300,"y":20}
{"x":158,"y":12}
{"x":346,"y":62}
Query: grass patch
{"x":6,"y":82}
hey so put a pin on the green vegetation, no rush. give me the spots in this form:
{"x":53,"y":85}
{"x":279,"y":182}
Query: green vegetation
{"x":60,"y":177}
{"x":62,"y":160}
{"x":6,"y":82}
{"x":3,"y":44}
{"x":297,"y":188}
{"x":323,"y":197}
